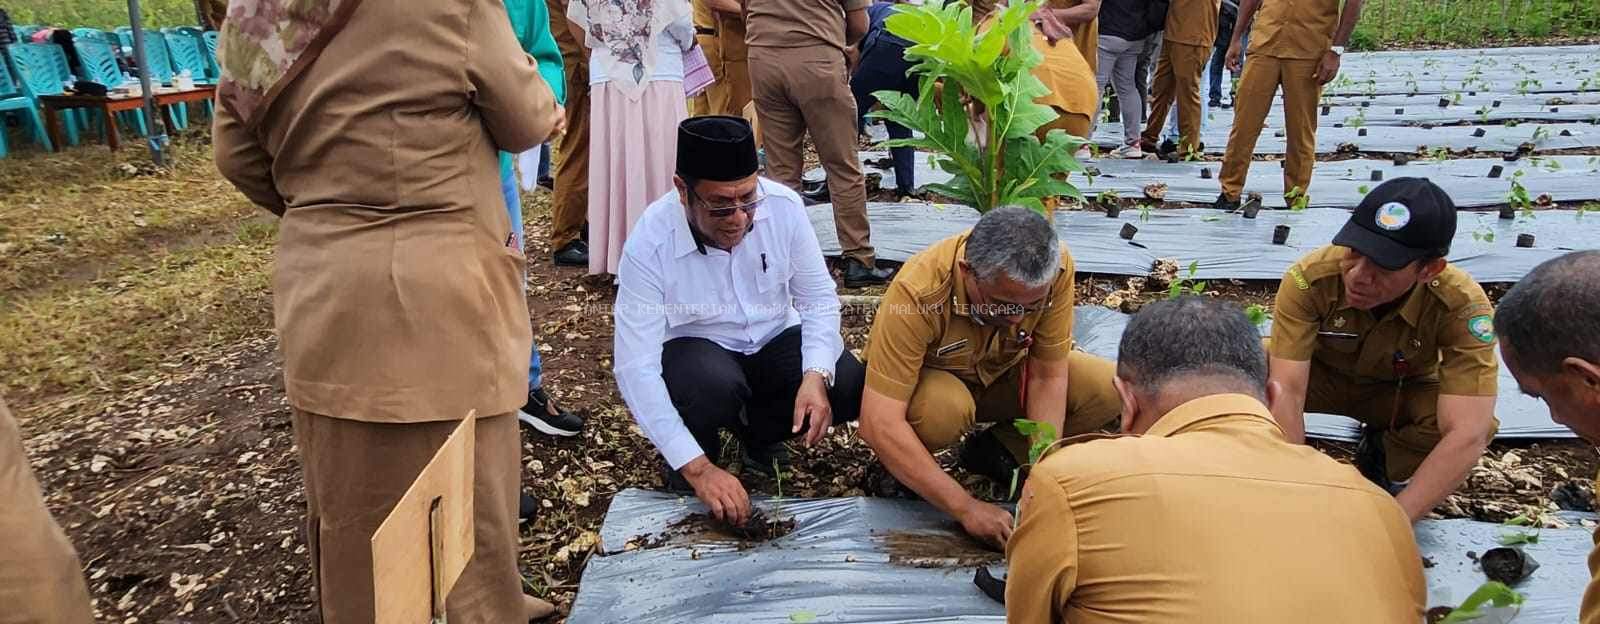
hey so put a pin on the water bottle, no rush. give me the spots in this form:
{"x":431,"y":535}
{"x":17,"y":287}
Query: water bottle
{"x":185,"y":80}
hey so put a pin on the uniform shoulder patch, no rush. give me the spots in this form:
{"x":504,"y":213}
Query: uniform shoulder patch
{"x":1481,"y":327}
{"x":1299,"y":278}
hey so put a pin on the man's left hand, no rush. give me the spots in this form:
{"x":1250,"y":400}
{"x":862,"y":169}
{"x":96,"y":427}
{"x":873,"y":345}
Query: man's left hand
{"x":811,"y":402}
{"x":1328,"y":68}
{"x":1052,"y":27}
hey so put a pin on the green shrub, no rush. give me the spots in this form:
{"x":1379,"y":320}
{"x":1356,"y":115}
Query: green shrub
{"x":103,"y":14}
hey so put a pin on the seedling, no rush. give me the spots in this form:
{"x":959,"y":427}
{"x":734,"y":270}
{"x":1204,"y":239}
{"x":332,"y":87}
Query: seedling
{"x":1527,"y":83}
{"x":1362,"y":189}
{"x":1298,"y":199}
{"x":1192,"y":154}
{"x":1540,"y":134}
{"x":1257,"y":314}
{"x":1439,"y":154}
{"x":1357,"y":120}
{"x":1519,"y":532}
{"x":1187,"y":285}
{"x":1040,"y":436}
{"x":1492,"y":593}
{"x":1144,"y":213}
{"x":1483,"y":234}
{"x":1518,"y":197}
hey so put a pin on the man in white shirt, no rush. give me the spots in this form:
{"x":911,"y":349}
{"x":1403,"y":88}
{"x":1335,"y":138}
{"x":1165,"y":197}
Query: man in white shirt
{"x":727,"y":318}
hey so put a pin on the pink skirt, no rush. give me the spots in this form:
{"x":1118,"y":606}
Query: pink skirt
{"x":633,"y":151}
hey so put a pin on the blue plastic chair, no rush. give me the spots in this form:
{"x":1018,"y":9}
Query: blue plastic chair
{"x":100,"y":63}
{"x":161,"y":72}
{"x":12,"y":99}
{"x":38,"y":72}
{"x":92,"y":34}
{"x":184,"y":44}
{"x":210,"y":38}
{"x":24,"y":32}
{"x":125,"y":37}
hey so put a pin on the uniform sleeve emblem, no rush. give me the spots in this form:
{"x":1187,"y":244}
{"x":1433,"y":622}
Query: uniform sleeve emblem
{"x":1299,"y":278}
{"x":1482,"y":328}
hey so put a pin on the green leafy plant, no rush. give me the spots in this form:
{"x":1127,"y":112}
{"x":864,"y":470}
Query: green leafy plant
{"x":1186,"y":285}
{"x":976,"y":110}
{"x":1518,"y":196}
{"x":1483,"y":233}
{"x":1357,"y":120}
{"x":1523,"y":530}
{"x":1528,"y":83}
{"x":1040,"y":436}
{"x":1439,"y":154}
{"x":1363,"y":189}
{"x":1257,"y":314}
{"x":1492,"y":593}
{"x":1540,"y":134}
{"x":1144,"y":212}
{"x":1298,"y":199}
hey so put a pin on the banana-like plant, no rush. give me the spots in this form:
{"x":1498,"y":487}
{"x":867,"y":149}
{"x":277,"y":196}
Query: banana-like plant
{"x":976,"y":109}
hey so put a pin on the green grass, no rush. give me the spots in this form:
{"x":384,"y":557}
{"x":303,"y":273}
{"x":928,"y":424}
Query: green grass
{"x":1390,"y":24}
{"x":105,"y":14}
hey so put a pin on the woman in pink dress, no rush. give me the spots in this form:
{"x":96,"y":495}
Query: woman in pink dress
{"x":636,"y":100}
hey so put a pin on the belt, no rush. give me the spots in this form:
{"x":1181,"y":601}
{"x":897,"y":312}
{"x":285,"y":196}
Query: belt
{"x":704,"y":30}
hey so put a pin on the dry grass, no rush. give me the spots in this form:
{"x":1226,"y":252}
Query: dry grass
{"x":109,"y":268}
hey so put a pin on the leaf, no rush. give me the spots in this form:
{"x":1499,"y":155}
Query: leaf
{"x":802,"y":616}
{"x":1492,"y":593}
{"x":1514,"y":538}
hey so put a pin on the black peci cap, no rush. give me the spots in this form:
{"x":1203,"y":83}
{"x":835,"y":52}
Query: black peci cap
{"x":717,"y":148}
{"x":1400,"y":222}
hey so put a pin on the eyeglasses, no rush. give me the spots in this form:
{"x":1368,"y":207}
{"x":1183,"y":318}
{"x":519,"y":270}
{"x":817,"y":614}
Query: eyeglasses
{"x":725,"y":209}
{"x":994,"y":308}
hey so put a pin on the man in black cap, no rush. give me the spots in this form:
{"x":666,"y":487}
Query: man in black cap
{"x":727,"y":318}
{"x":1380,"y":328}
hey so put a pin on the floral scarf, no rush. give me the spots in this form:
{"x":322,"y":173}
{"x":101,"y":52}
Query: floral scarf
{"x":265,"y":44}
{"x":628,"y":30}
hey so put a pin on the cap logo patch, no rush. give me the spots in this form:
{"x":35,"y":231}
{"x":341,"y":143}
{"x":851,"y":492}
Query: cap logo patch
{"x":1393,"y":216}
{"x":1482,"y":328}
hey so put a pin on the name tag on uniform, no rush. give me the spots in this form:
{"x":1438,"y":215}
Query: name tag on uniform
{"x":951,"y":348}
{"x":1338,"y":334}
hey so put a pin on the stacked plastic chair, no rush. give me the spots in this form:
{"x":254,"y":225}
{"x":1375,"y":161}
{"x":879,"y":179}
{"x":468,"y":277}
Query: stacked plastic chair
{"x":188,"y":56}
{"x":40,"y":75}
{"x":210,"y":38}
{"x":14,"y":99}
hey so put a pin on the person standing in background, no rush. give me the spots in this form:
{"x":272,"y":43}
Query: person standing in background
{"x":530,"y":20}
{"x":402,"y":217}
{"x":41,"y":578}
{"x":1219,"y":53}
{"x":883,"y":67}
{"x":636,"y":53}
{"x":1067,"y":75}
{"x":801,"y":54}
{"x":569,"y":202}
{"x":719,"y":28}
{"x":1125,"y":25}
{"x":1298,"y":49}
{"x":1185,"y":46}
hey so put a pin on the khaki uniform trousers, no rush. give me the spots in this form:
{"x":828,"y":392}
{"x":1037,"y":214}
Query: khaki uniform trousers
{"x":943,"y":407}
{"x":800,"y":90}
{"x":725,"y":53}
{"x":1262,"y":76}
{"x":1408,"y":413}
{"x":1178,"y":74}
{"x":41,"y":579}
{"x":354,"y":474}
{"x":569,"y":207}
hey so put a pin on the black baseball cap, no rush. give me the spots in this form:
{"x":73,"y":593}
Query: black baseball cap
{"x":1400,"y":222}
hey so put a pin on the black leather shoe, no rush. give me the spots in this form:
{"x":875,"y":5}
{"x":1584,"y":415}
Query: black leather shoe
{"x":575,"y":253}
{"x":549,"y":183}
{"x":1225,"y":204}
{"x":527,"y":508}
{"x":1167,"y":147}
{"x":816,"y":196}
{"x":857,"y":275}
{"x":1214,"y":103}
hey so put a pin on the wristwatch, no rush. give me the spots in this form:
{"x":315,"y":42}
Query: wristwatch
{"x":1337,"y":50}
{"x":827,"y":377}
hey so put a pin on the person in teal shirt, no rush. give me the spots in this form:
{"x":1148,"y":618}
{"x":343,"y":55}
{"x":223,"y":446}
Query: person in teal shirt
{"x":530,"y":20}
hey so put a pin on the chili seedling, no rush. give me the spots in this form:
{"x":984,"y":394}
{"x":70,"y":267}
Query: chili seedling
{"x":1040,"y":436}
{"x":1257,"y":314}
{"x":1187,"y":285}
{"x":1493,"y":593}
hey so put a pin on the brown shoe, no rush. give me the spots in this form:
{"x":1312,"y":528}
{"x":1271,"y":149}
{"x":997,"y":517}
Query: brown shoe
{"x":536,"y":608}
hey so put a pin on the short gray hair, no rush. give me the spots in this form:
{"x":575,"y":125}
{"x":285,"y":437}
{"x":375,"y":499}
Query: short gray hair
{"x":1015,"y":242}
{"x":1170,"y":340}
{"x":1553,"y":313}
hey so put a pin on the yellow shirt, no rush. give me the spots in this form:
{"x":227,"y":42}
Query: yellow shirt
{"x":1293,"y":29}
{"x":1589,"y":612}
{"x":1209,"y":518}
{"x":1194,"y":22}
{"x":1443,"y":330}
{"x":923,"y":322}
{"x":1068,"y":76}
{"x":1085,"y":36}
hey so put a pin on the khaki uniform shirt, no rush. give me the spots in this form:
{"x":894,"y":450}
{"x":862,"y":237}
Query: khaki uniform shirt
{"x":41,"y":579}
{"x":1293,"y":29}
{"x":1194,"y":22}
{"x":798,"y":23}
{"x":1209,"y":518}
{"x":923,"y":321}
{"x":396,"y":295}
{"x":1443,"y":330}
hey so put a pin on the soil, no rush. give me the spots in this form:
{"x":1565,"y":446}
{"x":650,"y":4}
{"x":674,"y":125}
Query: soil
{"x":1438,"y":614}
{"x":942,"y":549}
{"x":701,"y":529}
{"x":1507,"y":565}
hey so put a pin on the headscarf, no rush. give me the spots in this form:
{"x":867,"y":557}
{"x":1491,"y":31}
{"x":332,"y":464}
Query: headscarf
{"x":265,"y":44}
{"x":628,"y":30}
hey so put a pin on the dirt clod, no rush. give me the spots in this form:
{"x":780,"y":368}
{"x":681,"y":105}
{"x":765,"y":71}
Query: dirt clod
{"x":1507,"y":565}
{"x":936,"y":549}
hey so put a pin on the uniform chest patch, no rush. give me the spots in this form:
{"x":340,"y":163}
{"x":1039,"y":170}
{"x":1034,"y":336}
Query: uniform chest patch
{"x":1481,"y":327}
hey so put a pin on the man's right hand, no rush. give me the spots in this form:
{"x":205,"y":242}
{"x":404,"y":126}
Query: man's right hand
{"x":986,"y":522}
{"x":1231,"y":60}
{"x":721,"y":492}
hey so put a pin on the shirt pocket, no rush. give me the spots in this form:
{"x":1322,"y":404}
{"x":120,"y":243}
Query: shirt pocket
{"x":1343,"y":344}
{"x":692,"y":297}
{"x":952,"y":355}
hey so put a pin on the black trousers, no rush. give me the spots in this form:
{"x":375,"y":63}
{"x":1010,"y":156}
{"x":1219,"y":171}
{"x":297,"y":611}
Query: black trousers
{"x":752,"y":395}
{"x":883,"y":67}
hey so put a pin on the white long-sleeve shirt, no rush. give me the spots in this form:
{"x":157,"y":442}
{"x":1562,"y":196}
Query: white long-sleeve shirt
{"x":667,"y":288}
